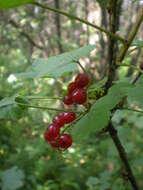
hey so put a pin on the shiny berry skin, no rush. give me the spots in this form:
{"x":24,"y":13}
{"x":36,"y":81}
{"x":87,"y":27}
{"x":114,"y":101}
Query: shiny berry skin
{"x":65,"y":141}
{"x":54,"y":144}
{"x":71,"y":87}
{"x":82,"y":80}
{"x":51,"y":133}
{"x":68,"y":100}
{"x":69,"y":117}
{"x":79,"y":96}
{"x":58,"y":120}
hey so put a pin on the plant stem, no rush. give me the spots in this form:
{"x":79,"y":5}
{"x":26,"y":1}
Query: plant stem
{"x":134,"y":67}
{"x":50,"y":109}
{"x":42,"y":97}
{"x":73,"y":17}
{"x":112,"y":43}
{"x":134,"y":49}
{"x":71,"y":124}
{"x":83,"y":69}
{"x":111,"y":76}
{"x":132,"y":109}
{"x":123,"y":156}
{"x":131,"y":36}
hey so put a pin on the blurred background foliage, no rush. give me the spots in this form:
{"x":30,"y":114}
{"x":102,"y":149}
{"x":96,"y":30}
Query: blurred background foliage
{"x":26,"y":161}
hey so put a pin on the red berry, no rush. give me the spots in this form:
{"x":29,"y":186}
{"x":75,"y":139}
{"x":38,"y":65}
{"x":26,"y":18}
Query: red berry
{"x":54,"y":144}
{"x":69,"y":117}
{"x":51,"y":133}
{"x":68,"y":100}
{"x":79,"y":96}
{"x":58,"y":120}
{"x":65,"y":141}
{"x":71,"y":87}
{"x":82,"y":80}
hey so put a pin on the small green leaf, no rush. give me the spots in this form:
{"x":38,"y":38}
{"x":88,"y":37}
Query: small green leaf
{"x":12,"y":179}
{"x":9,"y":109}
{"x":13,"y":3}
{"x":56,"y":66}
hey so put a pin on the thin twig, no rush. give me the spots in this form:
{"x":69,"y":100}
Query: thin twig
{"x":112,"y":44}
{"x":132,"y":109}
{"x":134,"y":67}
{"x":48,"y":108}
{"x":26,"y":35}
{"x":42,"y":97}
{"x":83,"y":69}
{"x":73,"y":17}
{"x":133,"y":49}
{"x":131,"y":36}
{"x":123,"y":156}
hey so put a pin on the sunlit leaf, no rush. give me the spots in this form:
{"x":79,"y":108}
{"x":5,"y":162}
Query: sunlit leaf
{"x":57,"y":66}
{"x":13,"y":3}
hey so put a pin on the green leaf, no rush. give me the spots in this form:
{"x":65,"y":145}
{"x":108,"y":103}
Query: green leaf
{"x":135,"y":94}
{"x":99,"y":114}
{"x":12,"y":179}
{"x":92,"y":182}
{"x":57,"y":66}
{"x":13,"y":3}
{"x":138,"y":43}
{"x":9,"y":108}
{"x":7,"y":101}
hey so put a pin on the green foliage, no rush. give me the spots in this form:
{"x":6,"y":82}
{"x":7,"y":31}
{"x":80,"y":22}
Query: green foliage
{"x":7,"y":101}
{"x":99,"y":183}
{"x":138,"y":43}
{"x":13,"y":3}
{"x":12,"y":179}
{"x":93,"y":165}
{"x":93,"y":120}
{"x":9,"y":109}
{"x":92,"y":182}
{"x":134,"y":94}
{"x":57,"y":66}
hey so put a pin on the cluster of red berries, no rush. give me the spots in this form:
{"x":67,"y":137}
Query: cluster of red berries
{"x":76,"y":94}
{"x":76,"y":90}
{"x":52,"y":133}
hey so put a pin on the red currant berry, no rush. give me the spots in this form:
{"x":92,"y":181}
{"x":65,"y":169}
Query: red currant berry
{"x":82,"y":80}
{"x":61,"y":114}
{"x":68,"y":100}
{"x":51,"y":133}
{"x":54,"y":144}
{"x":65,"y":141}
{"x":58,"y":120}
{"x":71,"y":87}
{"x":69,"y":117}
{"x":79,"y":96}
